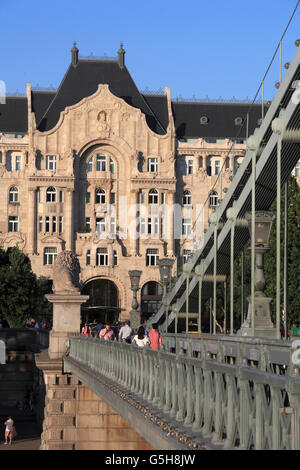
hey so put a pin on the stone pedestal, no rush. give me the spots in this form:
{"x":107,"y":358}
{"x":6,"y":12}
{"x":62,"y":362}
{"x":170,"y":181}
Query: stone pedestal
{"x":66,"y":320}
{"x":263,"y":326}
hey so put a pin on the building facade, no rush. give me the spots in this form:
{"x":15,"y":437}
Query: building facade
{"x":120,"y":177}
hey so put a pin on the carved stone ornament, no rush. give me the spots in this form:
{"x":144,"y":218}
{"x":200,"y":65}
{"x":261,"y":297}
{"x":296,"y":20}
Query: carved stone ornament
{"x":66,"y":273}
{"x":103,"y":126}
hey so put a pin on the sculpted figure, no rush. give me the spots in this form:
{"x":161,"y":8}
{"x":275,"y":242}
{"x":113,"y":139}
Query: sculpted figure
{"x":66,"y":273}
{"x":103,"y":126}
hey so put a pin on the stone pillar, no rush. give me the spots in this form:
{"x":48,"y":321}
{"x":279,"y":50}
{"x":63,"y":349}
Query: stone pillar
{"x":68,"y":215}
{"x":31,"y":229}
{"x":66,"y":320}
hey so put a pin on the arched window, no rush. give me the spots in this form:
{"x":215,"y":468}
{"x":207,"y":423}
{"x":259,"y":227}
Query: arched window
{"x":13,"y":194}
{"x":187,"y":198}
{"x":153,"y":196}
{"x":100,"y":196}
{"x":51,"y":194}
{"x":213,"y":199}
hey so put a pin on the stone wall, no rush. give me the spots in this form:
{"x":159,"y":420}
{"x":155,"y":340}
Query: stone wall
{"x":76,"y":419}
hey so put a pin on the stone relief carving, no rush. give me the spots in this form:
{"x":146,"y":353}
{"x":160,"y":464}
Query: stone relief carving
{"x":66,"y":271}
{"x":103,"y":126}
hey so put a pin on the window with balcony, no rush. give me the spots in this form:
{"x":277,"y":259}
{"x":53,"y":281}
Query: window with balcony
{"x":100,"y":162}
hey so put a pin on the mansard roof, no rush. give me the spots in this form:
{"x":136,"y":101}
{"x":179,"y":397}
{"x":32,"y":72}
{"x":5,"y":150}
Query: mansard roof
{"x":192,"y":119}
{"x":13,"y":115}
{"x":219,"y":120}
{"x":83,"y":80}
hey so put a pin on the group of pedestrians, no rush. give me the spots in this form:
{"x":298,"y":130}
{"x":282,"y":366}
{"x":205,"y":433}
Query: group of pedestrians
{"x":126,"y":334}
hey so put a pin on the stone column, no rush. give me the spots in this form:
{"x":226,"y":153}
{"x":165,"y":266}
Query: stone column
{"x":31,"y":228}
{"x":68,"y":215}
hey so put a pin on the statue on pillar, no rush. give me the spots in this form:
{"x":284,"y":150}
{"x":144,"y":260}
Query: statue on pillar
{"x":66,"y":271}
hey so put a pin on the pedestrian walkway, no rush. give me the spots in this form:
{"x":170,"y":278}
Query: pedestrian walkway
{"x":29,"y":433}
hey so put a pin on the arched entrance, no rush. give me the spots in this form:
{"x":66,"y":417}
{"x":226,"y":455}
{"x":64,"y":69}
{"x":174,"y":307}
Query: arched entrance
{"x":151,"y":296}
{"x":103,"y":304}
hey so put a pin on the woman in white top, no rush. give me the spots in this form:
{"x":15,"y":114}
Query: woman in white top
{"x":141,"y":339}
{"x":9,"y":424}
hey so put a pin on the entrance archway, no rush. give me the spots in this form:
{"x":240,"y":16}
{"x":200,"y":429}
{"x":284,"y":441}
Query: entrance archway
{"x":151,"y":296}
{"x":104,"y":302}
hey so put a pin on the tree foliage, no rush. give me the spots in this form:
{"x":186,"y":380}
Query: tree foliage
{"x":21,"y":293}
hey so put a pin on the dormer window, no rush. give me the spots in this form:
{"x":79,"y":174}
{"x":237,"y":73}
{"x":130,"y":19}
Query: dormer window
{"x":204,"y":120}
{"x":238,"y":121}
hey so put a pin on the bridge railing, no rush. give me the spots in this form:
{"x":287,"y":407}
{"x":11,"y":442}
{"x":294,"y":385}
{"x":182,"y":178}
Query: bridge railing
{"x":268,"y":355}
{"x":232,"y":406}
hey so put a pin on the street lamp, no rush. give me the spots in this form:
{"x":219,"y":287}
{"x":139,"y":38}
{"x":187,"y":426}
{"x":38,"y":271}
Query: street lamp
{"x":165,"y":270}
{"x":135,"y":318}
{"x":261,"y":323}
{"x":187,"y":269}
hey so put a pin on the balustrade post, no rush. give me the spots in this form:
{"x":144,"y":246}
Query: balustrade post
{"x":180,"y":388}
{"x":219,"y":401}
{"x":208,"y":401}
{"x":168,"y":389}
{"x":174,"y":389}
{"x":189,"y":394}
{"x":232,"y":412}
{"x":198,"y":399}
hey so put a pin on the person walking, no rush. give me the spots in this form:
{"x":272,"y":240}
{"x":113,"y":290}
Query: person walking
{"x":125,"y":332}
{"x":141,"y":339}
{"x":9,"y":425}
{"x":155,"y":337}
{"x":107,"y":333}
{"x":86,"y":330}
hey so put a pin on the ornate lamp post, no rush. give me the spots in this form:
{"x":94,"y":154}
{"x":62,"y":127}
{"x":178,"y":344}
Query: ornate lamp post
{"x":135,"y":317}
{"x":165,"y":270}
{"x":261,"y":324}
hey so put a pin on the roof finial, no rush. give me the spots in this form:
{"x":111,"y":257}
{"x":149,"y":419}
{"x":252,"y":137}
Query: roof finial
{"x":121,"y":58}
{"x":74,"y":52}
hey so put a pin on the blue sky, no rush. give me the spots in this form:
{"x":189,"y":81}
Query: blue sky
{"x":198,"y":47}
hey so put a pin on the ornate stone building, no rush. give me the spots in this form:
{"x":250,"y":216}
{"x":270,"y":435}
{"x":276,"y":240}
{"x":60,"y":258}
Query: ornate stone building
{"x":121,"y":177}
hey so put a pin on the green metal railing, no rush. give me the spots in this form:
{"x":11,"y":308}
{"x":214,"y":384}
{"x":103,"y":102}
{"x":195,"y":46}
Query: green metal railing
{"x":231,"y":405}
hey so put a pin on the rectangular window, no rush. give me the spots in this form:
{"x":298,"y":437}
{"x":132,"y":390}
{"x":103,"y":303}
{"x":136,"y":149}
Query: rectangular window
{"x":47,"y":223}
{"x":186,"y":255}
{"x":18,"y":162}
{"x":40,"y":223}
{"x":152,"y":256}
{"x":89,"y":166}
{"x":60,"y":222}
{"x":115,"y":258}
{"x":111,"y":165}
{"x":112,"y":226}
{"x":88,"y":257}
{"x":88,"y":198}
{"x":13,"y":223}
{"x":100,"y":226}
{"x":217,"y":167}
{"x":88,"y":224}
{"x":190,"y":167}
{"x":143,"y":198}
{"x":101,"y":163}
{"x":152,"y":165}
{"x":61,"y":196}
{"x":51,"y":162}
{"x":54,"y":224}
{"x":112,"y":198}
{"x":101,"y":257}
{"x":162,"y":198}
{"x":50,"y":255}
{"x":186,"y":226}
{"x":297,"y":170}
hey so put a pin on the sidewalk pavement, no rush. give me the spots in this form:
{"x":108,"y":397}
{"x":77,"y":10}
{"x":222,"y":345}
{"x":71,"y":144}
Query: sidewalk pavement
{"x":29,"y":433}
